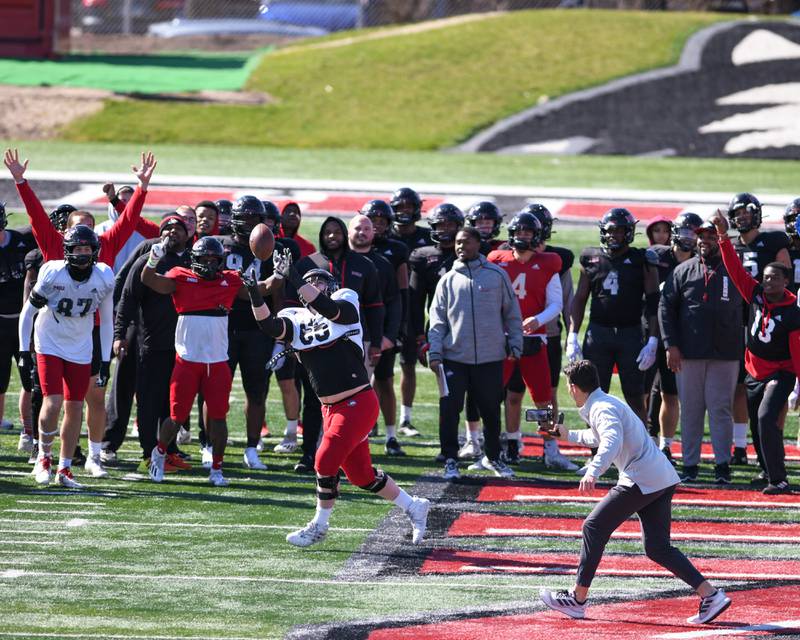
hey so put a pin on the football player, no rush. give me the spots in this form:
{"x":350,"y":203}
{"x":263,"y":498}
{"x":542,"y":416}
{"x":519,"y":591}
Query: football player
{"x":486,"y":218}
{"x":67,"y":294}
{"x":790,"y":224}
{"x":326,"y":335}
{"x":224,"y":207}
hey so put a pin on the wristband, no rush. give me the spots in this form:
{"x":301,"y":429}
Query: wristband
{"x":152,"y":264}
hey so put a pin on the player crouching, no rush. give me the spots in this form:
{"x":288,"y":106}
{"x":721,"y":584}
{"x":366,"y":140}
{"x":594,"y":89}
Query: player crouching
{"x":66,"y":296}
{"x":327,"y":337}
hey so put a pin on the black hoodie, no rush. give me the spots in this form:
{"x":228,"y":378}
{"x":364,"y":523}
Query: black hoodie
{"x":352,"y":271}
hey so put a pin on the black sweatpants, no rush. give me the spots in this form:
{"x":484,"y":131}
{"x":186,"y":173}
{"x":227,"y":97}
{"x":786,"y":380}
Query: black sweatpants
{"x":484,"y":382}
{"x":119,"y":402}
{"x":152,"y":395}
{"x":765,"y":399}
{"x":655,"y":515}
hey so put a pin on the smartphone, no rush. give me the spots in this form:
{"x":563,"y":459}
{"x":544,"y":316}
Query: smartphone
{"x":538,"y":415}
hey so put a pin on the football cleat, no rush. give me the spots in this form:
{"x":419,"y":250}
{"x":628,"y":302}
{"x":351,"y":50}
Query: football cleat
{"x":25,"y":442}
{"x":43,"y":471}
{"x":470,"y":450}
{"x":156,"y":467}
{"x":564,"y":602}
{"x":557,"y":460}
{"x":710,"y":607}
{"x":184,"y":436}
{"x":451,"y":471}
{"x":418,"y":514}
{"x":739,"y":457}
{"x":408,"y":430}
{"x":722,"y":473}
{"x":108,"y":456}
{"x":251,"y":461}
{"x":287,"y":445}
{"x":777,"y":488}
{"x":312,"y":533}
{"x":94,"y":467}
{"x":393,"y":448}
{"x":34,"y":453}
{"x":690,"y":473}
{"x":216,"y":478}
{"x":305,"y":464}
{"x":176,"y":462}
{"x":498,"y":467}
{"x":67,"y":480}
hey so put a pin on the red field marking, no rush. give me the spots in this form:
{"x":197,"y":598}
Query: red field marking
{"x":595,"y":210}
{"x":481,"y":524}
{"x":172,"y":198}
{"x":756,"y":612}
{"x":702,"y":497}
{"x":456,"y":561}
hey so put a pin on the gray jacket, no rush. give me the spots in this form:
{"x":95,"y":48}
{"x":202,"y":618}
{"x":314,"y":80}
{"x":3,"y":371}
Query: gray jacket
{"x":474,"y":315}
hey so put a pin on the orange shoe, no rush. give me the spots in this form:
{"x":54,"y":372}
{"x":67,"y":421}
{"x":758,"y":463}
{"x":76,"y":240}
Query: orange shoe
{"x":174,"y":460}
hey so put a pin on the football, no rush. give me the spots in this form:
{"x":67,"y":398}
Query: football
{"x":262,"y":242}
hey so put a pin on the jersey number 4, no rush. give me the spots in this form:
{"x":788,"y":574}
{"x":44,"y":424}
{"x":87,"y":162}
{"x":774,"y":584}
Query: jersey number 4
{"x":66,"y":305}
{"x":519,"y":286}
{"x":311,"y":331}
{"x":611,"y":283}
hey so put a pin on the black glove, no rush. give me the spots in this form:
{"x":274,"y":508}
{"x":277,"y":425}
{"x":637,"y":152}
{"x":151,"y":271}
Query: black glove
{"x":25,"y":361}
{"x":104,"y":375}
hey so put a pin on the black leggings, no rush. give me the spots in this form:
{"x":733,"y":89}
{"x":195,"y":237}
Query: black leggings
{"x":765,"y":399}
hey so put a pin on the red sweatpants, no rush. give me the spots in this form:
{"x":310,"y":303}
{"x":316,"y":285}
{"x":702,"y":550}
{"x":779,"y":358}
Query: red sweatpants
{"x":345,"y":428}
{"x":535,"y":372}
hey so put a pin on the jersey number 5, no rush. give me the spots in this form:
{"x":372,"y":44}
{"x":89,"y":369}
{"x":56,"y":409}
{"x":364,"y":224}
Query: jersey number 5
{"x":65,"y":306}
{"x":611,"y":283}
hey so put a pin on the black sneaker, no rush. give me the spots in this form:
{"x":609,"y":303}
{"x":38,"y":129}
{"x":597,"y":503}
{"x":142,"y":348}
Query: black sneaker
{"x":182,"y":454}
{"x":393,"y":448}
{"x":305,"y":465}
{"x":722,"y":473}
{"x":511,"y":454}
{"x":78,"y":458}
{"x":739,"y":457}
{"x":408,"y":430}
{"x":374,"y":431}
{"x":668,"y":455}
{"x":777,"y":488}
{"x":440,"y":457}
{"x":690,"y":473}
{"x":760,"y":480}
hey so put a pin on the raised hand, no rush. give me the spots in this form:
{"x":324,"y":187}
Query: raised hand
{"x":282,"y":262}
{"x":145,"y":172}
{"x":248,"y":278}
{"x":109,"y":190}
{"x":17,"y":169}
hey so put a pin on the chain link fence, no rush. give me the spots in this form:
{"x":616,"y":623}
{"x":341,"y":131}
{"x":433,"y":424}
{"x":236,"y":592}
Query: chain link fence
{"x":137,"y":26}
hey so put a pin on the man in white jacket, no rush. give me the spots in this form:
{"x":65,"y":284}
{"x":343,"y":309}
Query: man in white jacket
{"x":646,"y":484}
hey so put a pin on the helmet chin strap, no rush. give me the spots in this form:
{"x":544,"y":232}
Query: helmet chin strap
{"x":522,"y":245}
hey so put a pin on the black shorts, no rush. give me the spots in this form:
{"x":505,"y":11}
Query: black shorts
{"x":408,"y":350}
{"x":667,"y":381}
{"x":9,"y":351}
{"x":97,"y":351}
{"x":554,"y":350}
{"x":250,"y":350}
{"x":515,"y":383}
{"x":620,"y":346}
{"x":384,"y":370}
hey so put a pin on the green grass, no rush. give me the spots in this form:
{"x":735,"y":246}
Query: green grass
{"x":424,"y":90}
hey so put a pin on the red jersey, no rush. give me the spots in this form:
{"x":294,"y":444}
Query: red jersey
{"x":529,"y":279}
{"x":306,"y":247}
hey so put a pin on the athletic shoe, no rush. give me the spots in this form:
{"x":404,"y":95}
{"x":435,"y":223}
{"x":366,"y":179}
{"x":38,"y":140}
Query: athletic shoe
{"x":182,"y":454}
{"x":206,"y":457}
{"x":34,"y":453}
{"x":559,"y":461}
{"x":408,"y":430}
{"x":511,"y":454}
{"x":287,"y":445}
{"x":393,"y":448}
{"x":374,"y":431}
{"x":451,"y":471}
{"x":6,"y":425}
{"x":739,"y":457}
{"x":179,"y":464}
{"x":108,"y":456}
{"x":722,"y":473}
{"x":440,"y":458}
{"x":78,"y":458}
{"x":418,"y":514}
{"x":305,"y":465}
{"x":564,"y":602}
{"x":777,"y":488}
{"x":43,"y":471}
{"x":251,"y":460}
{"x":156,"y":467}
{"x":312,"y":533}
{"x":67,"y":480}
{"x":710,"y":607}
{"x":94,"y":467}
{"x":690,"y":473}
{"x":216,"y":478}
{"x":25,"y":442}
{"x":498,"y":467}
{"x":261,"y":444}
{"x":470,"y":450}
{"x":184,"y":436}
{"x":668,"y":455}
{"x":760,"y":480}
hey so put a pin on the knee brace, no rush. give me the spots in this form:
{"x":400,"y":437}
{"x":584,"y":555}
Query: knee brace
{"x":378,"y":483}
{"x":327,"y":487}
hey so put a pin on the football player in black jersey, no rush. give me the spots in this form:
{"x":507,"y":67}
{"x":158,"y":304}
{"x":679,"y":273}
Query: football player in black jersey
{"x":622,"y":286}
{"x":224,"y":219}
{"x":663,"y":407}
{"x":790,"y":224}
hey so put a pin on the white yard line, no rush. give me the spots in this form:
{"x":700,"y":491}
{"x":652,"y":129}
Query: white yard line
{"x":51,"y":512}
{"x":62,"y":502}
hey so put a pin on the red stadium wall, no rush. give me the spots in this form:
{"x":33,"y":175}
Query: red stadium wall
{"x":34,"y":28}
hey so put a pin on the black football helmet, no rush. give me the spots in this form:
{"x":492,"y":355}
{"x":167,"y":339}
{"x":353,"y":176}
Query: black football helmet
{"x":3,"y":216}
{"x":406,"y":198}
{"x":272,"y":213}
{"x":544,"y":217}
{"x":528,"y":221}
{"x":208,"y":257}
{"x":60,"y":215}
{"x":442,"y":213}
{"x":614,"y":219}
{"x":316,"y":275}
{"x":484,"y":210}
{"x":224,"y":219}
{"x":246,"y":213}
{"x":378,"y":209}
{"x":749,"y":203}
{"x":790,"y":217}
{"x":80,"y":236}
{"x":684,"y":230}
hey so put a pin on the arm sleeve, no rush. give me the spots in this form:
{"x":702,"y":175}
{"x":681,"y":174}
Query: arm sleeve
{"x":553,"y":301}
{"x":439,"y":327}
{"x":115,"y":238}
{"x":512,"y":317}
{"x":744,"y":282}
{"x":347,"y":313}
{"x":668,"y":307}
{"x":609,"y":430}
{"x":567,"y":293}
{"x":26,"y":325}
{"x":106,"y":327}
{"x":275,"y":326}
{"x":47,"y":237}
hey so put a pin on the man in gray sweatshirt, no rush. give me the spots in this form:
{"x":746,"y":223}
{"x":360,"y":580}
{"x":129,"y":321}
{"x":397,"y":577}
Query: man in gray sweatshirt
{"x":475,"y":324}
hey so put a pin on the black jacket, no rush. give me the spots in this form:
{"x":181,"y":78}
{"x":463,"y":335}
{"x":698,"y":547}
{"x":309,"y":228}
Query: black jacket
{"x":700,"y":311}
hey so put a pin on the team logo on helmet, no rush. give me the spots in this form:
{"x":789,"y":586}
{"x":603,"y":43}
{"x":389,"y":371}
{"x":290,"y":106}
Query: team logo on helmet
{"x":684,"y":230}
{"x":80,"y":236}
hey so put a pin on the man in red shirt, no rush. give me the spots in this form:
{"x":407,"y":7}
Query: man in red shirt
{"x":290,"y":224}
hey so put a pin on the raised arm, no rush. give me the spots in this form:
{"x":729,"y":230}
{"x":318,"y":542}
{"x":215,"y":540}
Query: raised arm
{"x":743,"y":281}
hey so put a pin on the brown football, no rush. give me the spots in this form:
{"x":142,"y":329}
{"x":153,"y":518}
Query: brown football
{"x":262,"y":242}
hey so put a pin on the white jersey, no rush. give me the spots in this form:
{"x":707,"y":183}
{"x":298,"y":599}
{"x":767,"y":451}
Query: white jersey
{"x":311,"y":330}
{"x":64,"y":325}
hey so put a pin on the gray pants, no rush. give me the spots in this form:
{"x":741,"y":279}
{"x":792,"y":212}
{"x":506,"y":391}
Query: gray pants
{"x":707,"y":385}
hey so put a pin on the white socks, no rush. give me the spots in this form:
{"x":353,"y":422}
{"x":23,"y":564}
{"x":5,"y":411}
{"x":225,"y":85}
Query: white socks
{"x":740,"y":434}
{"x":391,"y":431}
{"x":405,"y":414}
{"x":322,"y":516}
{"x":291,"y":429}
{"x":95,"y":448}
{"x":664,"y":442}
{"x":403,"y":500}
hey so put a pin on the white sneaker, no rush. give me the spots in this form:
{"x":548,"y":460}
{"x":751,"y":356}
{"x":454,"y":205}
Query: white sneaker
{"x":206,"y":457}
{"x":25,"y":442}
{"x":451,"y":471}
{"x":217,"y":479}
{"x":251,"y":460}
{"x":710,"y":608}
{"x":498,"y":467}
{"x":418,"y":514}
{"x":43,"y":471}
{"x":564,"y":602}
{"x":312,"y":533}
{"x":67,"y":480}
{"x":470,"y":450}
{"x":107,"y":456}
{"x":287,"y":445}
{"x":260,"y":445}
{"x":156,"y":468}
{"x":184,"y":436}
{"x":559,"y":461}
{"x":94,"y":467}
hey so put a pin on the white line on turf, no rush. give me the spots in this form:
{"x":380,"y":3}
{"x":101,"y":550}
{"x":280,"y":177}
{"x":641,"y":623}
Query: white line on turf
{"x":179,"y":525}
{"x":34,"y":531}
{"x":62,"y":502}
{"x":34,"y":542}
{"x":55,"y":512}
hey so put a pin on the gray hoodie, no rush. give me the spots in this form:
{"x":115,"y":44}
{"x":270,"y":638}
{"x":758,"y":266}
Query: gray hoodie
{"x":474,"y":315}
